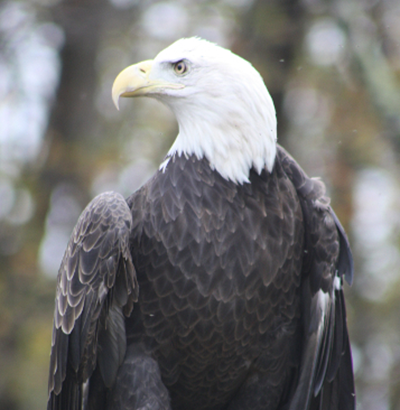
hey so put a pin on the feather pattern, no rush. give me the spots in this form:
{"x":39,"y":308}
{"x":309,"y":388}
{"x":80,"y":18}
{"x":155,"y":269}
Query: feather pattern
{"x":96,"y":282}
{"x":240,"y":304}
{"x":326,"y":379}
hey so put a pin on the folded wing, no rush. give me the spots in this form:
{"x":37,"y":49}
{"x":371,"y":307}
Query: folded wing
{"x":96,"y":288}
{"x":325,"y":380}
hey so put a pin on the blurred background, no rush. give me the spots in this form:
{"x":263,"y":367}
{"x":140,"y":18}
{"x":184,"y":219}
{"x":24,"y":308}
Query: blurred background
{"x":333,"y":69}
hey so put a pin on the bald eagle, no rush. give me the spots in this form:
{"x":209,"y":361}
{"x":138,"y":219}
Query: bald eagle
{"x":216,"y":285}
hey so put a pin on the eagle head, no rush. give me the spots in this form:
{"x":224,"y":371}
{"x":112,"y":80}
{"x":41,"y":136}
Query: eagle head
{"x":223,"y":108}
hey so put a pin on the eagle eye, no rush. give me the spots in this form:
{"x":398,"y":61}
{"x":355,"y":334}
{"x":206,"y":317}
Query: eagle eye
{"x":180,"y":67}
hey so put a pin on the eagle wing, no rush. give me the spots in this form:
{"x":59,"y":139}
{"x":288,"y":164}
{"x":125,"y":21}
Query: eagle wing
{"x":325,"y":380}
{"x":96,"y":287}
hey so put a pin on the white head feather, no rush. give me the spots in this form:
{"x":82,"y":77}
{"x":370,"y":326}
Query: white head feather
{"x":224,"y":111}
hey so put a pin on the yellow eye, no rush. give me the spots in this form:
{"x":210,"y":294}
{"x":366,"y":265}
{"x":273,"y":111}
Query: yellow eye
{"x":180,"y":67}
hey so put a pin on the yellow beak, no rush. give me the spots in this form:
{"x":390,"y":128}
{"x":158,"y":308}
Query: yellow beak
{"x":135,"y":81}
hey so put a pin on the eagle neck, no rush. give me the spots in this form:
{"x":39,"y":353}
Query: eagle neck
{"x":234,"y":136}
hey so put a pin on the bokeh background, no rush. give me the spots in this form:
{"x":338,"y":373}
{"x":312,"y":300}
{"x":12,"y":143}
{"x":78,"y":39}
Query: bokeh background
{"x":333,"y":69}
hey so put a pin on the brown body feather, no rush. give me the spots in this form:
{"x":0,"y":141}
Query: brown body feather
{"x":239,"y":305}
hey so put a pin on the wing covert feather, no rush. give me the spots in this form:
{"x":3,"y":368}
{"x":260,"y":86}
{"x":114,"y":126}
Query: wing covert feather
{"x":96,"y":285}
{"x":326,"y":380}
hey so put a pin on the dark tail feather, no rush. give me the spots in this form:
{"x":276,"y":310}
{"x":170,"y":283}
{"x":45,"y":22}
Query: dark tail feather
{"x":347,"y":398}
{"x":340,"y":335}
{"x":70,"y":397}
{"x":338,"y":392}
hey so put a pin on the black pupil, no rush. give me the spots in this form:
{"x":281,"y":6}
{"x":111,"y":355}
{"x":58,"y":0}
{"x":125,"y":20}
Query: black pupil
{"x":180,"y":67}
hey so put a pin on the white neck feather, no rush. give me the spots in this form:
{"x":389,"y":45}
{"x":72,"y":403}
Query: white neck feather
{"x":234,"y":139}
